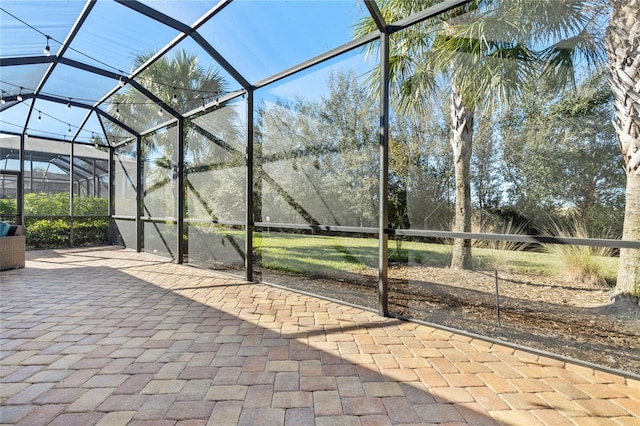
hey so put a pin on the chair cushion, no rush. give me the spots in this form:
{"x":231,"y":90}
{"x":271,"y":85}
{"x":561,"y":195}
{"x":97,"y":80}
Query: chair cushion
{"x":4,"y":229}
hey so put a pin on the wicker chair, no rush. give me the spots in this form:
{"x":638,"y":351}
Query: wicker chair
{"x":12,"y":250}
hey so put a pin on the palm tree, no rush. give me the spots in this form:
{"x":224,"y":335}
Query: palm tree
{"x":179,"y":81}
{"x":486,"y":54}
{"x":622,"y":43}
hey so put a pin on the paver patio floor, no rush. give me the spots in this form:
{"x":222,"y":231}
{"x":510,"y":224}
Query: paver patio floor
{"x":111,"y":337}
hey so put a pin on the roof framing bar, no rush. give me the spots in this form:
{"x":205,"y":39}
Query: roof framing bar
{"x":89,"y":68}
{"x":217,"y":8}
{"x":428,"y":13}
{"x":27,"y":60}
{"x":111,"y":74}
{"x":104,"y":131}
{"x":155,"y":15}
{"x":66,"y":166}
{"x":211,"y":13}
{"x":72,"y":34}
{"x":116,"y":121}
{"x":220,"y":102}
{"x":85,"y":106}
{"x":159,"y":126}
{"x":74,"y":31}
{"x":46,"y":138}
{"x":125,"y":142}
{"x":58,"y":100}
{"x":375,"y":13}
{"x":206,"y":46}
{"x":162,"y":104}
{"x":185,"y":29}
{"x":321,"y":58}
{"x":75,"y":142}
{"x":159,"y":54}
{"x":84,"y":121}
{"x":14,"y":98}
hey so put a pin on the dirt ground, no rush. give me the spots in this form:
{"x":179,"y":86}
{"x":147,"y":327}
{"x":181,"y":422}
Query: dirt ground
{"x":565,"y":318}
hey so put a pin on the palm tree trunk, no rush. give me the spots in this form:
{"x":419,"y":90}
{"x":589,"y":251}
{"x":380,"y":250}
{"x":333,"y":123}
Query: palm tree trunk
{"x":622,"y":44}
{"x":629,"y":266}
{"x":461,"y":144}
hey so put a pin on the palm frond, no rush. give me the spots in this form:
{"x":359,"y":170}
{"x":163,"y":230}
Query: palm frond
{"x":493,"y":50}
{"x":561,"y":58}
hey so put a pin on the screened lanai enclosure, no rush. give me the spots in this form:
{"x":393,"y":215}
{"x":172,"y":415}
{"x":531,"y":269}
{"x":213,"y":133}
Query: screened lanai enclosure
{"x":469,"y":164}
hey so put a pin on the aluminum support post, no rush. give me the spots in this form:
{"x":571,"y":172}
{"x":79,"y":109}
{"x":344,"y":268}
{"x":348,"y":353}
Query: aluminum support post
{"x":139,"y":193}
{"x":383,"y":237}
{"x":248,"y":245}
{"x":111,"y":196}
{"x":180,"y":189}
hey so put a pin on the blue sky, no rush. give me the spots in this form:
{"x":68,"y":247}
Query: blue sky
{"x":258,"y":38}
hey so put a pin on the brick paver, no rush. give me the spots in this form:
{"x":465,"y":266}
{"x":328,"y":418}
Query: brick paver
{"x":111,"y":337}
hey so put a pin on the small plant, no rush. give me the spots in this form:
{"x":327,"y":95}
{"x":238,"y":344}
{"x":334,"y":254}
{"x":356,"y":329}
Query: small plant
{"x":497,"y":255}
{"x":398,"y":254}
{"x":585,"y":264}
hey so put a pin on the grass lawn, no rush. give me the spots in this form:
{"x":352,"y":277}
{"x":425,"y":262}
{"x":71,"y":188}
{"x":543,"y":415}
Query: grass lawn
{"x":316,"y":255}
{"x":310,"y":254}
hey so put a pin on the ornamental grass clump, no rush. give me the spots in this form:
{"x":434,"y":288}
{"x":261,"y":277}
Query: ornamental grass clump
{"x":585,"y":264}
{"x":498,"y":255}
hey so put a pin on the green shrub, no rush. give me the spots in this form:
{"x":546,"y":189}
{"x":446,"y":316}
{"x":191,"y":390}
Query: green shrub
{"x":8,"y":206}
{"x":90,"y":206}
{"x":48,"y":233}
{"x":46,"y":204}
{"x":90,"y":232}
{"x":43,"y":204}
{"x":52,"y":233}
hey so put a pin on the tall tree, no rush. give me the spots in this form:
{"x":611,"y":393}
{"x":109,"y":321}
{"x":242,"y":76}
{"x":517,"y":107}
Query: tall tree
{"x":485,"y":53}
{"x":622,"y":44}
{"x":319,"y":161}
{"x":559,"y":158}
{"x":421,"y":173}
{"x":177,"y":80}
